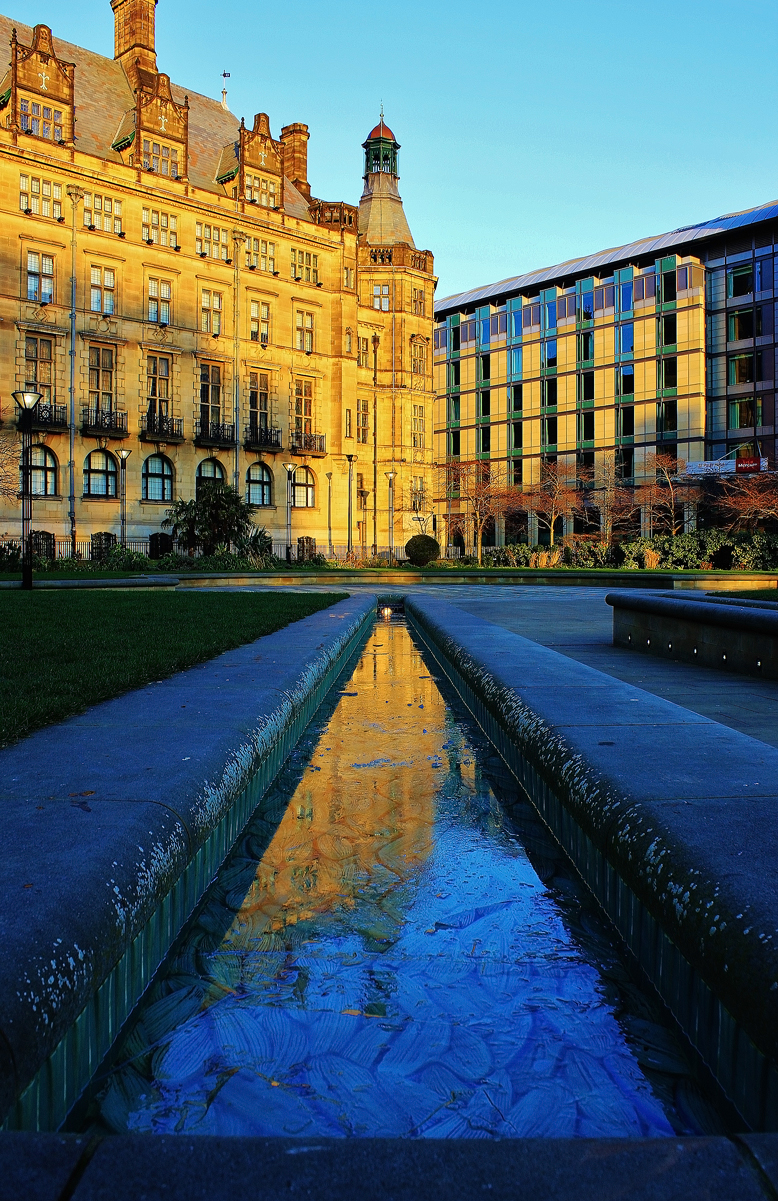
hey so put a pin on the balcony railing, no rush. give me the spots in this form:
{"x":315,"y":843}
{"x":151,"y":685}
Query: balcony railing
{"x":214,"y":433}
{"x":308,"y":444}
{"x":49,"y":417}
{"x":100,"y":422}
{"x":161,"y":429}
{"x":257,"y":437}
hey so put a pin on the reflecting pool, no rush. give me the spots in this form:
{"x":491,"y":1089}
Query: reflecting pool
{"x":394,"y":948}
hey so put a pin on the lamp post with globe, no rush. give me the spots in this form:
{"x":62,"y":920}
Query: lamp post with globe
{"x":26,"y":400}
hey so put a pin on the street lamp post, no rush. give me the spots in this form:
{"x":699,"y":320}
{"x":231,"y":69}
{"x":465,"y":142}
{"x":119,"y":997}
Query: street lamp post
{"x":124,"y":455}
{"x":26,"y":402}
{"x":329,"y":514}
{"x":390,"y":476}
{"x":291,"y":468}
{"x":351,"y":459}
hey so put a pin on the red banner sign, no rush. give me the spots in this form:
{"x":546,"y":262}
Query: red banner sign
{"x":747,"y":465}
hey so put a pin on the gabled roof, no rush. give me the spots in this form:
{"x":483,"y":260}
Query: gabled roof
{"x":104,"y":99}
{"x":644,"y":248}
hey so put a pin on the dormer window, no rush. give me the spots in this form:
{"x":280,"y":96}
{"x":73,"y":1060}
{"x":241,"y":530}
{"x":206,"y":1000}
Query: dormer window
{"x":160,"y":158}
{"x":261,"y":190}
{"x":40,"y":120}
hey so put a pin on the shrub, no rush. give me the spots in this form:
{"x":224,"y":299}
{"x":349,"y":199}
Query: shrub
{"x":10,"y":556}
{"x":119,"y":558}
{"x":421,"y":549}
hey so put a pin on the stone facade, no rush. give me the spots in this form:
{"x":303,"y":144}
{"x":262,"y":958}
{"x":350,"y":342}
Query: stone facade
{"x":226,"y":322}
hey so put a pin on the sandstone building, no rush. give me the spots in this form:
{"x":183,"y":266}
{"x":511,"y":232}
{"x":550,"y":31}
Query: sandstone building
{"x":172,"y":287}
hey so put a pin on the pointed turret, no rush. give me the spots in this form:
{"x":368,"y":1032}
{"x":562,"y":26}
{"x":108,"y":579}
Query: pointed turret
{"x":382,"y":220}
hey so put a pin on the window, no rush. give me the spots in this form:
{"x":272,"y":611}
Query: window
{"x":485,"y":439}
{"x":455,"y":375}
{"x":102,"y":212}
{"x":669,"y":330}
{"x":740,"y":280}
{"x":586,"y":306}
{"x":667,"y":418}
{"x":548,"y":393}
{"x":159,"y":301}
{"x":362,"y":421}
{"x":669,"y":287}
{"x":604,"y":298}
{"x":627,"y":338}
{"x":39,"y":366}
{"x":259,"y":396}
{"x":668,"y":373}
{"x":418,"y":427}
{"x":740,"y":369}
{"x":304,"y":332}
{"x":160,"y":158}
{"x":440,"y":338}
{"x":348,"y":433}
{"x":303,"y":407}
{"x":158,"y":385}
{"x":211,"y":312}
{"x":40,"y":197}
{"x":261,"y":254}
{"x":418,"y":358}
{"x":381,"y":297}
{"x":102,"y":290}
{"x":485,"y":365}
{"x":43,"y":472}
{"x":157,"y":478}
{"x":745,"y":414}
{"x":530,"y":316}
{"x":744,"y":323}
{"x":586,"y":386}
{"x":348,"y":341}
{"x":586,"y":347}
{"x":40,"y":119}
{"x":210,"y":394}
{"x":516,"y":398}
{"x":361,"y":491}
{"x":212,"y":240}
{"x":549,"y":353}
{"x":305,"y":266}
{"x":348,"y":277}
{"x":303,"y":489}
{"x":645,"y":287}
{"x":258,"y":484}
{"x":100,"y":474}
{"x":40,"y":277}
{"x":625,"y":381}
{"x":419,"y":301}
{"x":454,"y":442}
{"x":363,"y":353}
{"x":548,"y":431}
{"x":260,"y":322}
{"x":101,"y":378}
{"x":515,"y":360}
{"x":586,"y":427}
{"x":209,"y":473}
{"x":161,"y":229}
{"x":626,"y":298}
{"x":517,"y":435}
{"x":454,"y":409}
{"x":485,"y":404}
{"x":261,"y":191}
{"x":626,"y":422}
{"x":551,"y":310}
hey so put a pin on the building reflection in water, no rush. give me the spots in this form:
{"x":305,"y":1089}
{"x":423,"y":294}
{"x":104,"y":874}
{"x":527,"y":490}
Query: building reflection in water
{"x":378,"y":956}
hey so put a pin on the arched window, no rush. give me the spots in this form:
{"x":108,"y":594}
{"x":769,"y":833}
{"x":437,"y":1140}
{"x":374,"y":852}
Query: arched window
{"x":209,"y":471}
{"x":43,"y":475}
{"x":100,"y":474}
{"x":157,"y":478}
{"x":258,"y":484}
{"x":304,"y":489}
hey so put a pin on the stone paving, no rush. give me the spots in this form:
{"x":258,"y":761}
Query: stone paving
{"x":576,"y":622}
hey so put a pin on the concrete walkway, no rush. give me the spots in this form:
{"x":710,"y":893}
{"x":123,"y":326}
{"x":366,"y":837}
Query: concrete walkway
{"x":577,"y":623}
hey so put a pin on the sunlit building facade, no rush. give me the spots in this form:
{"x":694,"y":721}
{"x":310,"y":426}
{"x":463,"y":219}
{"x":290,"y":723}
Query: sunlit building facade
{"x":666,"y":345}
{"x":172,"y":287}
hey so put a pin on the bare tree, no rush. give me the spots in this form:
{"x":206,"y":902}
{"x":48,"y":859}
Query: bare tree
{"x":664,"y":491}
{"x":9,"y":466}
{"x":555,"y":496}
{"x":482,"y":490}
{"x":614,"y":503}
{"x":746,"y":502}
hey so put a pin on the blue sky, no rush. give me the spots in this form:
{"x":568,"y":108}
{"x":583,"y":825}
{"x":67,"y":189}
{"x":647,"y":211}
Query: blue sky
{"x":530,"y":133}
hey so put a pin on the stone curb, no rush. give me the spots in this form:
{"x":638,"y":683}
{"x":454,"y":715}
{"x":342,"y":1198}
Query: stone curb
{"x":114,"y":823}
{"x":670,"y":818}
{"x":148,"y":581}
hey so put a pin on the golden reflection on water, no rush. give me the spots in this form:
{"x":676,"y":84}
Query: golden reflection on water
{"x":366,"y":804}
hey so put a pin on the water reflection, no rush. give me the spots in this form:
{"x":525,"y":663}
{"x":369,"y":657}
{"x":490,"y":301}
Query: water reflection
{"x":379,"y":957}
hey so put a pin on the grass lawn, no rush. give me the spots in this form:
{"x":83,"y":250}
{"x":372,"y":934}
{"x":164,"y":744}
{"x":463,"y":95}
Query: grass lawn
{"x":64,"y":651}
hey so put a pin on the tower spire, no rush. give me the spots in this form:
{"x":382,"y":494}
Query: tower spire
{"x":382,"y":220}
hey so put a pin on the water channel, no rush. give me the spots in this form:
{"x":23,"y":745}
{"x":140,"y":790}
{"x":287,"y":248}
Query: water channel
{"x":396,"y":948}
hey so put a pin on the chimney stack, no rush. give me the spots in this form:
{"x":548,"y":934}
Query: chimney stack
{"x":134,"y":34}
{"x":294,"y":141}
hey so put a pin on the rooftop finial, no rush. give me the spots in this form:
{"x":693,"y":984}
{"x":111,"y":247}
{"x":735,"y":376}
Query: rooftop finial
{"x":225,"y":75}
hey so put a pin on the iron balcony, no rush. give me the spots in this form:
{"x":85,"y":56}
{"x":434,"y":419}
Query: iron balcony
{"x":48,"y":417}
{"x":257,"y":437}
{"x":214,"y":433}
{"x":101,"y":423}
{"x":308,"y":444}
{"x":161,"y":429}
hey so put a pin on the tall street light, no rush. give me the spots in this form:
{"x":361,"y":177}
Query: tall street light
{"x":26,"y":402}
{"x":124,"y":455}
{"x":351,"y":459}
{"x":390,"y":476}
{"x":329,"y":514}
{"x":291,"y":468}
